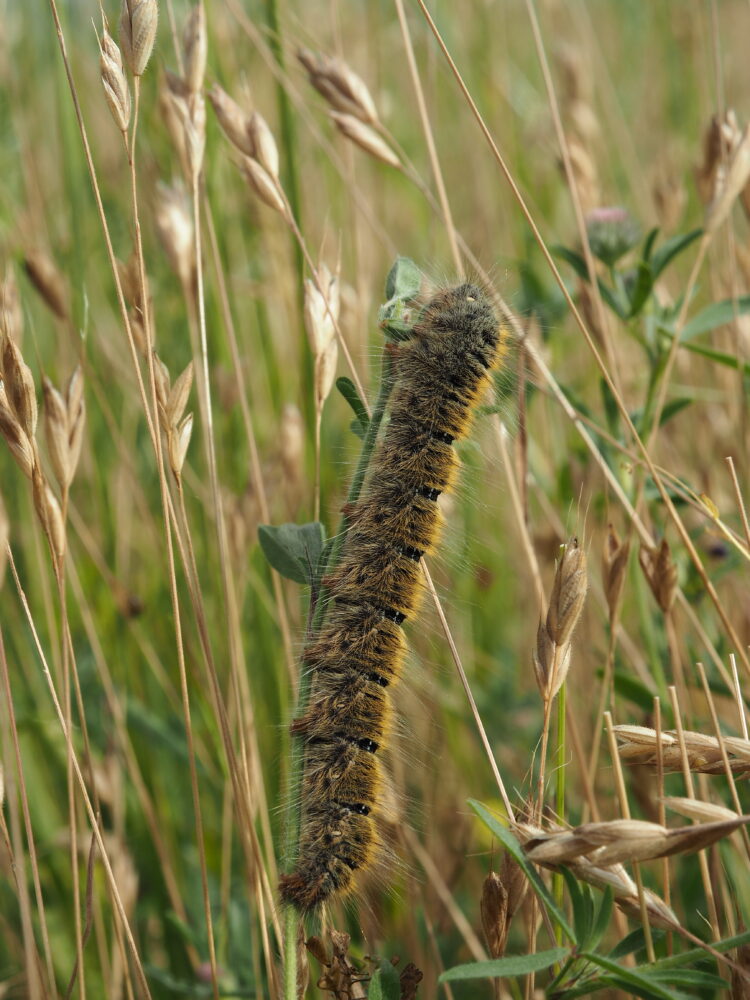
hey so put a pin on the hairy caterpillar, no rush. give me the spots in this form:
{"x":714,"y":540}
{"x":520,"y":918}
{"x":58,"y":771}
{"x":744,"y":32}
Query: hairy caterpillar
{"x":440,"y":373}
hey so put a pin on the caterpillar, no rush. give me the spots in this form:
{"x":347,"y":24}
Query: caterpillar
{"x":441,"y":372}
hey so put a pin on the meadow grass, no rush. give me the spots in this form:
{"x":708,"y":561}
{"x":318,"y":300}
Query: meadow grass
{"x":190,"y":259}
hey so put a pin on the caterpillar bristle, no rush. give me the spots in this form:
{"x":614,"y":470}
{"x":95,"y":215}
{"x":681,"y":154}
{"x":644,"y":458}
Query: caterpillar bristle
{"x":440,"y":374}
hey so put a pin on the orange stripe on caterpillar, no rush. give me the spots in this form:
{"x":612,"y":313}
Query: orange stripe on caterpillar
{"x":440,"y":374}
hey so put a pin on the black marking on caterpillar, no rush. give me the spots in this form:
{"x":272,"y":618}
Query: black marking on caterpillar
{"x":441,"y":373}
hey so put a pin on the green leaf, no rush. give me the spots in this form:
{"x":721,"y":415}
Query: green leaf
{"x":648,"y":243}
{"x":634,"y":942}
{"x":688,"y":977}
{"x":670,"y":249}
{"x":602,"y":919}
{"x":644,"y":989}
{"x":502,"y":968}
{"x":575,"y":260}
{"x":611,"y":409}
{"x":673,"y":407}
{"x":700,"y":955}
{"x":717,"y":314}
{"x":644,"y":282}
{"x":637,"y":981}
{"x":293,"y":549}
{"x":404,"y":280}
{"x":579,"y":266}
{"x":511,"y":845}
{"x":581,"y":912}
{"x":349,"y":391}
{"x":718,"y":356}
{"x":385,"y":983}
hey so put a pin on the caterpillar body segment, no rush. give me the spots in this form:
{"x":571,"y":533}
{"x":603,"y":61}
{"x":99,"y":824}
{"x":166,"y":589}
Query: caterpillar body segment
{"x":440,"y":374}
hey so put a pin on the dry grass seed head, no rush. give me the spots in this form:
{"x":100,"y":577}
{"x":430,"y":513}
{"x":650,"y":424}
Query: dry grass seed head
{"x":502,"y":895}
{"x":114,"y":81}
{"x":48,"y":282}
{"x":365,"y":137}
{"x":321,"y":312}
{"x":11,"y":314}
{"x":731,"y":181}
{"x":232,"y":119}
{"x":262,"y":144}
{"x":568,"y":594}
{"x":614,"y":568}
{"x":552,"y":653}
{"x":342,"y":88}
{"x":706,"y":812}
{"x":660,"y":572}
{"x":138,"y":23}
{"x":263,"y":185}
{"x":19,"y":386}
{"x":637,"y":745}
{"x":195,"y":48}
{"x":174,"y":225}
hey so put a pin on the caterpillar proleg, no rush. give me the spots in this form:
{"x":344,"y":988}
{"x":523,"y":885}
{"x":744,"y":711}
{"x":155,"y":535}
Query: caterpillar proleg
{"x":441,"y":372}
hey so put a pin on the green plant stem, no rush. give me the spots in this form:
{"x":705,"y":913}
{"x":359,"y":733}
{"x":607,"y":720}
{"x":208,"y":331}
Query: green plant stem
{"x":318,"y":607}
